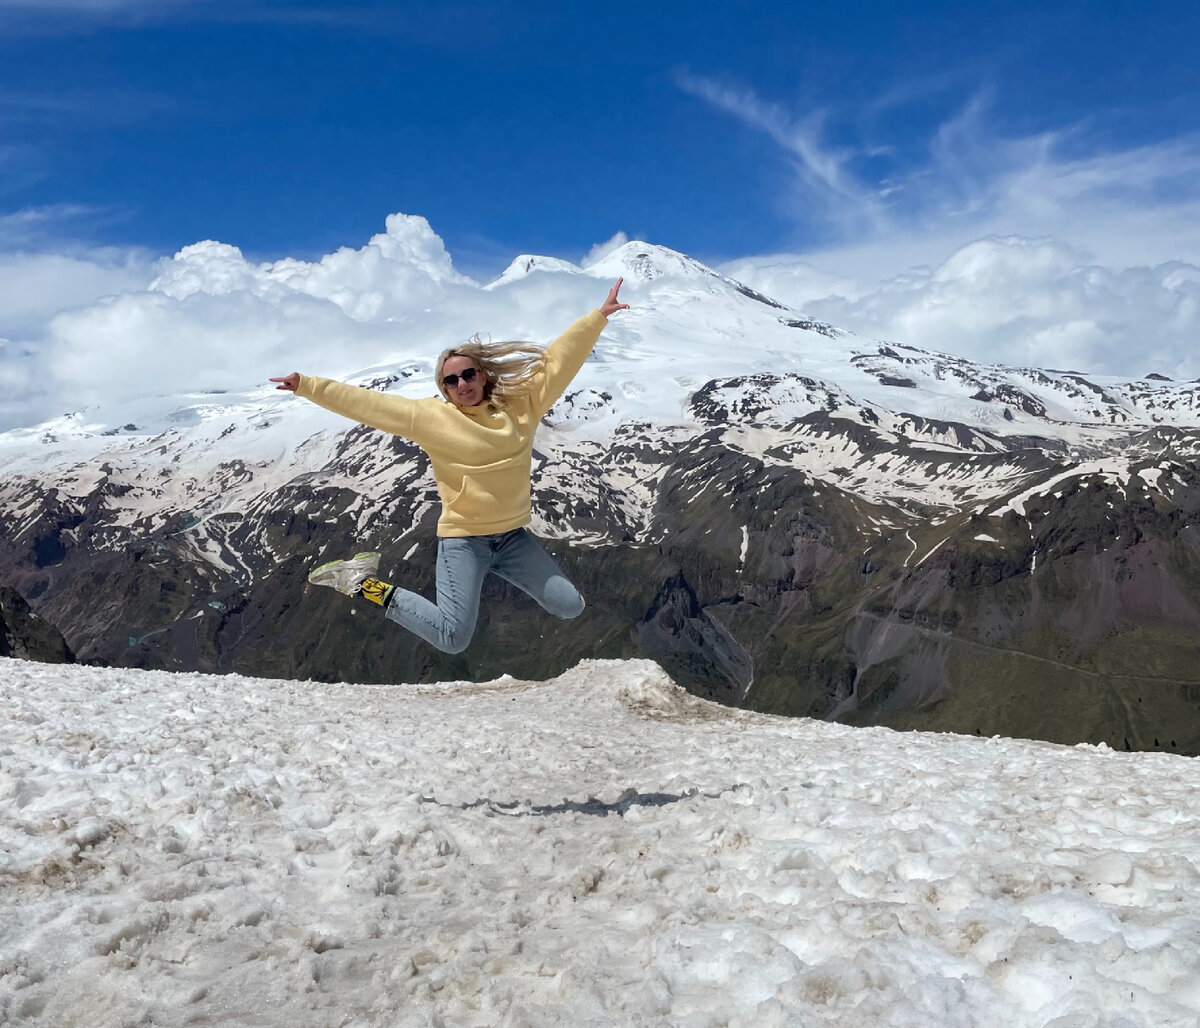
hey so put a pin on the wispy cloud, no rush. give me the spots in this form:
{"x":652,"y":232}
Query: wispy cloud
{"x":51,"y":227}
{"x":22,"y":110}
{"x":48,"y":10}
{"x":1047,"y":248}
{"x":827,"y":185}
{"x":21,"y":228}
{"x":603,"y":249}
{"x":967,"y":180}
{"x":90,"y":5}
{"x":54,"y":17}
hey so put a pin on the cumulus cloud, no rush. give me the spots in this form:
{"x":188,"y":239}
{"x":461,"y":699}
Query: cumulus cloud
{"x":113,"y":328}
{"x":396,"y":271}
{"x":211,"y":320}
{"x":207,"y":319}
{"x":1015,"y":300}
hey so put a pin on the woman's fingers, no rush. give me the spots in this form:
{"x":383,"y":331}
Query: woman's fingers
{"x":612,"y":304}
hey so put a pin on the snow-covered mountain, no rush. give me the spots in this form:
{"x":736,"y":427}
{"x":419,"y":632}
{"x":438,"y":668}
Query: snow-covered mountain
{"x":598,"y":849}
{"x":782,"y":513}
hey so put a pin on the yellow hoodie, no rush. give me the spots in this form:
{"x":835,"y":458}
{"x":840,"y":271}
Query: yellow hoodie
{"x":481,"y":457}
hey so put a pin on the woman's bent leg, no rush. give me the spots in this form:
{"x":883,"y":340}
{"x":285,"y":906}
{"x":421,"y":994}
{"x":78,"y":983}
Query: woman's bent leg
{"x":521,"y":560}
{"x":450,"y":623}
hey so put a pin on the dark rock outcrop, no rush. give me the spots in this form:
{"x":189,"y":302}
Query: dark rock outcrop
{"x":23,"y":634}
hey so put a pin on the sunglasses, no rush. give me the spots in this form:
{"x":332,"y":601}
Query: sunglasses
{"x":467,"y":375}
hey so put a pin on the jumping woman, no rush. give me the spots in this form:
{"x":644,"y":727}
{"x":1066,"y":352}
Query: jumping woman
{"x":479,"y":439}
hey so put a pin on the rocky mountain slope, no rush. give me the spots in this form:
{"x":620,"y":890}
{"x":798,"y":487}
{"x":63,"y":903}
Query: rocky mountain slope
{"x":25,"y":635}
{"x":785,"y":516}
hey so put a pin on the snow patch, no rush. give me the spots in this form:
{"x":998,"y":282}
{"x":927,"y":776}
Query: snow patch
{"x":602,"y":848}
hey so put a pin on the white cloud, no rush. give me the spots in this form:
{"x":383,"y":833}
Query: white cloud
{"x":31,"y":226}
{"x":602,"y":250}
{"x":876,"y":218}
{"x":22,"y":399}
{"x":148,"y":343}
{"x":212,"y":320}
{"x":208,"y":319}
{"x":388,"y":275}
{"x":110,"y":327}
{"x":39,"y":280}
{"x":1044,"y":249}
{"x":1015,"y":300}
{"x":791,"y":279}
{"x":35,"y":287}
{"x":826,"y":185}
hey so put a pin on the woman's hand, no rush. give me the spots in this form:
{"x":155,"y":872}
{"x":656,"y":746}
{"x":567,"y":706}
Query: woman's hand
{"x":290,"y":383}
{"x":611,"y":306}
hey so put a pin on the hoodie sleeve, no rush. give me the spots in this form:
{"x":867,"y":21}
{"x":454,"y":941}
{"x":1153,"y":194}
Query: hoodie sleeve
{"x":395,"y":414}
{"x":564,"y":358}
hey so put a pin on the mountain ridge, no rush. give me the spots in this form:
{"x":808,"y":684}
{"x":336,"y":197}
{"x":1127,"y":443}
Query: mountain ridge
{"x":739,"y":467}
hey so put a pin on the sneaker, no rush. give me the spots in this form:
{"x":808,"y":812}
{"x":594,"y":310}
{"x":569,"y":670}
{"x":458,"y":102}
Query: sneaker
{"x":346,"y":576}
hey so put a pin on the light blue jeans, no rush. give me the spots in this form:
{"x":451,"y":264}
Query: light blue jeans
{"x":462,"y":565}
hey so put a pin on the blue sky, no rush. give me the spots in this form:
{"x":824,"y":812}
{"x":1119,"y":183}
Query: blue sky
{"x":1014,"y":181}
{"x":294,"y":127}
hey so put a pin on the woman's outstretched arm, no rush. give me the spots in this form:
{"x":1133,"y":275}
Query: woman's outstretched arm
{"x":565,"y":356}
{"x":394,"y":414}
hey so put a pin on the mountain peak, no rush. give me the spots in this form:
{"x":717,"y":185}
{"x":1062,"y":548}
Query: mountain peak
{"x":634,"y":261}
{"x":528,"y":263}
{"x":639,"y":261}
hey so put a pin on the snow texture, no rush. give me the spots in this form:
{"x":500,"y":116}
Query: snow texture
{"x":595,"y":850}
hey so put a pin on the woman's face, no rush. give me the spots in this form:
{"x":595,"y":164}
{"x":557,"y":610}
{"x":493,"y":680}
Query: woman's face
{"x":463,"y":391}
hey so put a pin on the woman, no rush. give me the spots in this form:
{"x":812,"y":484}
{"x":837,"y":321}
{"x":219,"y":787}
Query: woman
{"x":480,"y":446}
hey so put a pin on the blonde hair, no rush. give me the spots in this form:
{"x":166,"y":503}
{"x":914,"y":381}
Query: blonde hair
{"x":507,"y":367}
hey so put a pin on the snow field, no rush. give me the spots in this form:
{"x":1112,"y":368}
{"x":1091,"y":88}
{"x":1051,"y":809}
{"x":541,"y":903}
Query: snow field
{"x":598,"y":849}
